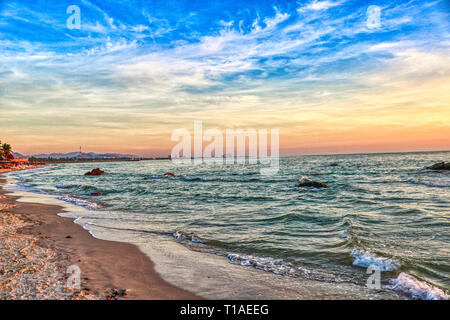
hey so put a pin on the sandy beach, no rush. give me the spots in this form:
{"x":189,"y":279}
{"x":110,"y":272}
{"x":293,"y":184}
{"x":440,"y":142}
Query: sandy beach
{"x":37,"y":246}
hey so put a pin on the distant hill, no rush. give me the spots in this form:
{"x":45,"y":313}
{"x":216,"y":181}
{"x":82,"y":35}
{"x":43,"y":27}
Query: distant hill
{"x":18,"y":155}
{"x":73,"y":155}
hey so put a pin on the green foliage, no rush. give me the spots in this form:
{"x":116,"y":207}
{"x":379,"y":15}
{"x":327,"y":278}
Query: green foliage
{"x":5,"y":151}
{"x":1,"y":151}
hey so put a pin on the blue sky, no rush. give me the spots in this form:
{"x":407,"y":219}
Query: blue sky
{"x":139,"y":69}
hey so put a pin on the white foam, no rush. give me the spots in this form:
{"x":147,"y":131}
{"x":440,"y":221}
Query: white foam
{"x":438,"y":183}
{"x":180,"y":236}
{"x":344,"y":235}
{"x":304,"y":178}
{"x":366,"y":259}
{"x":267,"y":264}
{"x":418,"y":289}
{"x":80,"y":202}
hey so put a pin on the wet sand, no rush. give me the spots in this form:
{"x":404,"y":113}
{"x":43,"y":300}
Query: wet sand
{"x":105,"y":265}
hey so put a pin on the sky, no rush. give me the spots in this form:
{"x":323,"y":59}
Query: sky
{"x":329,"y":75}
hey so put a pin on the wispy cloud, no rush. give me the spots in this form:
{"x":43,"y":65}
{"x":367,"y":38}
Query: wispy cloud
{"x":321,"y":5}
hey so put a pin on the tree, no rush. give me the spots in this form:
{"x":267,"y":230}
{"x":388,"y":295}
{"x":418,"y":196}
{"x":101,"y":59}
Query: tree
{"x":1,"y":151}
{"x":7,"y":151}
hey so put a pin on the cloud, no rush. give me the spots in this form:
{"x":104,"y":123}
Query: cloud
{"x":321,"y":5}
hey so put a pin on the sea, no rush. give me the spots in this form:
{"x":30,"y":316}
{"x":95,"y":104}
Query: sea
{"x":382,"y":229}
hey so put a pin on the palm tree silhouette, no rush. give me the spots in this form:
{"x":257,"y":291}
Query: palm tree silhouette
{"x":7,"y":151}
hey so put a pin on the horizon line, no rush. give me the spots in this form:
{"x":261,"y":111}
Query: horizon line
{"x":281,"y":156}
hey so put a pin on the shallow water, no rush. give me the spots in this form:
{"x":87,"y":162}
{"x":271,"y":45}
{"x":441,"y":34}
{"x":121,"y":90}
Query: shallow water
{"x":382,"y":210}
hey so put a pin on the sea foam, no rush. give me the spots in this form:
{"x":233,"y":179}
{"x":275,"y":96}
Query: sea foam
{"x":366,"y":259}
{"x":80,"y":202}
{"x":438,"y":183}
{"x":418,"y":289}
{"x":267,"y":264}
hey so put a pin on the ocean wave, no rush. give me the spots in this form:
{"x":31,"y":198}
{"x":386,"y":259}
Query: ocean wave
{"x":41,"y":169}
{"x":180,"y":236}
{"x":185,"y":178}
{"x":279,"y":267}
{"x":25,"y":187}
{"x":418,"y":289}
{"x":366,"y":259}
{"x":267,"y":264}
{"x":440,"y":183}
{"x":245,"y":174}
{"x":62,"y":186}
{"x":80,"y":202}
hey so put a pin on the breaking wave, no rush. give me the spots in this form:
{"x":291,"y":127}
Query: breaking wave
{"x":439,"y":183}
{"x":366,"y":259}
{"x":80,"y":202}
{"x":418,"y":289}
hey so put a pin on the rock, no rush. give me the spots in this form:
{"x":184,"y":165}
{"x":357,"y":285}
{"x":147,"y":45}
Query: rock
{"x":334,"y":165}
{"x":306,"y":182}
{"x":94,"y":172}
{"x":169,"y":174}
{"x":69,"y":237}
{"x":96,"y":194}
{"x":115,"y":293}
{"x":440,"y":166}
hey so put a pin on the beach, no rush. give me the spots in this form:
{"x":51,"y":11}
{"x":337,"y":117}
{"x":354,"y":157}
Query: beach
{"x":37,"y":246}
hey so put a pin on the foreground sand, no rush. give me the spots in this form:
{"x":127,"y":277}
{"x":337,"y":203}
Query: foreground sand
{"x":37,"y":246}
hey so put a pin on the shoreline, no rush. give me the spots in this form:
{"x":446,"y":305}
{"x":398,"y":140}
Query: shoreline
{"x":107,"y":267}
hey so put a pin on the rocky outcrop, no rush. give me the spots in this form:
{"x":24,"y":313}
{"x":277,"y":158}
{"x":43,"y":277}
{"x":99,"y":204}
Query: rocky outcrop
{"x":306,"y":182}
{"x":334,"y":164}
{"x":94,"y":172}
{"x":169,"y":174}
{"x":116,"y":293}
{"x":440,"y":166}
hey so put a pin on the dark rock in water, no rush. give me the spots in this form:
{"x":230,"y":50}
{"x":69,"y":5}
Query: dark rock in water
{"x":96,"y":194}
{"x":334,"y":165}
{"x":169,"y":174}
{"x":440,"y":166}
{"x":306,"y":182}
{"x":94,"y":172}
{"x":314,"y":184}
